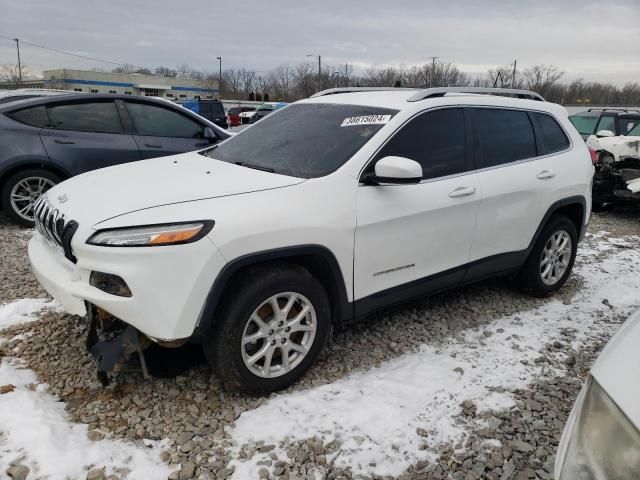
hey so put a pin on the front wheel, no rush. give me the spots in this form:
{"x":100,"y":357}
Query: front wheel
{"x":21,"y":190}
{"x":270,"y":329}
{"x":551,"y":259}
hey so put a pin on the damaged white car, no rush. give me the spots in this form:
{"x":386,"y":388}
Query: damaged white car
{"x":324,"y":211}
{"x":617,"y":162}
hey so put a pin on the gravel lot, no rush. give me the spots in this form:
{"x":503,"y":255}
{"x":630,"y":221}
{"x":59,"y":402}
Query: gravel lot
{"x":200,"y":418}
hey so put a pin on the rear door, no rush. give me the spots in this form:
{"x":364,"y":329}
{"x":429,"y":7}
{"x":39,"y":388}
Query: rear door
{"x":86,"y":135}
{"x":520,"y":178}
{"x":161,"y":130}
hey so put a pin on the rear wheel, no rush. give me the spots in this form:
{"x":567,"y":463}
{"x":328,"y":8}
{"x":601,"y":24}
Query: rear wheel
{"x":21,"y":190}
{"x":551,"y":259}
{"x":270,"y":329}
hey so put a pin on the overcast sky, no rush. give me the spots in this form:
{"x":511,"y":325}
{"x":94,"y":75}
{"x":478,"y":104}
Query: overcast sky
{"x":593,"y":39}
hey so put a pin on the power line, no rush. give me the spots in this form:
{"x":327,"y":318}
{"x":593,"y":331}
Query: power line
{"x":64,"y":52}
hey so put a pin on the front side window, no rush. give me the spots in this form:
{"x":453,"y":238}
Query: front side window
{"x":98,"y":117}
{"x":505,"y":136}
{"x":607,"y":123}
{"x":436,"y":140}
{"x":551,"y":134}
{"x":157,"y":121}
{"x":305,"y":140}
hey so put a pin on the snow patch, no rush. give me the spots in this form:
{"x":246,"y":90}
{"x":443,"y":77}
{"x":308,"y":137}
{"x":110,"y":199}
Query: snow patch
{"x":374,"y":414}
{"x":24,"y":311}
{"x":35,"y":430}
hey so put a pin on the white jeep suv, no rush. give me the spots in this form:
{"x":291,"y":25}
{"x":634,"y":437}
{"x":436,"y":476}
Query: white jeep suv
{"x":325,"y":211}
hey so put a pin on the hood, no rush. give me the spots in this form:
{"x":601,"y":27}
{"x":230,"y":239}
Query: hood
{"x":620,"y":147}
{"x":617,"y":367}
{"x":102,"y":194}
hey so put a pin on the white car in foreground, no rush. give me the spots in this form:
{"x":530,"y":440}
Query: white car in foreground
{"x":324,"y":211}
{"x":601,"y":440}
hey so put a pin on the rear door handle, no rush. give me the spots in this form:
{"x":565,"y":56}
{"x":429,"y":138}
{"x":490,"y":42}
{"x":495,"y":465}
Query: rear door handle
{"x":64,"y":142}
{"x":151,"y":145}
{"x":462,"y":192}
{"x":545,"y":174}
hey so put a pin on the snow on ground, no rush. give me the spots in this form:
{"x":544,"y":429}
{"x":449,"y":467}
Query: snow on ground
{"x":375,"y":413}
{"x":23,"y":311}
{"x":35,"y":431}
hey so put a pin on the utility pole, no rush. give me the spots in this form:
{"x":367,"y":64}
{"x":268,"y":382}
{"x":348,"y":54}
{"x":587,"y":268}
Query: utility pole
{"x":219,"y":77}
{"x":19,"y":64}
{"x":319,"y":70}
{"x":346,"y":74}
{"x":513,"y":76}
{"x":433,"y":70}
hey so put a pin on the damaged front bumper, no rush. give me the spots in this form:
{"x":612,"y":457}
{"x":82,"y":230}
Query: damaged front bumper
{"x":617,"y":181}
{"x":111,"y":342}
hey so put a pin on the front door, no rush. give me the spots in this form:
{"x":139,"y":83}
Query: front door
{"x":87,"y":135}
{"x":161,"y":131}
{"x":412,"y":239}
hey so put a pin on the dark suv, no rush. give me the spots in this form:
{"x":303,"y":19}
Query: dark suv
{"x":616,"y":120}
{"x":212,"y":110}
{"x":45,"y":140}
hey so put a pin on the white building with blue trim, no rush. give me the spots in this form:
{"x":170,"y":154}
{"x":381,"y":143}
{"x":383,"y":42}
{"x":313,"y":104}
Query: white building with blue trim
{"x":87,"y":81}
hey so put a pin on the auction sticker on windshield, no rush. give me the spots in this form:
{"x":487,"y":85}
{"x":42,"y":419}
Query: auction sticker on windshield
{"x":366,"y":120}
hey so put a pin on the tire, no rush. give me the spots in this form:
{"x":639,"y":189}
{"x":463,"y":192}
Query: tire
{"x":597,"y":204}
{"x":38,"y":180}
{"x":250,"y":298}
{"x":531,"y":277}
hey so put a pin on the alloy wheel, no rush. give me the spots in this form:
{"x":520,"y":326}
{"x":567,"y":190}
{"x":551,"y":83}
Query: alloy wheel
{"x":25,"y":193}
{"x":279,"y":335}
{"x":555,"y":257}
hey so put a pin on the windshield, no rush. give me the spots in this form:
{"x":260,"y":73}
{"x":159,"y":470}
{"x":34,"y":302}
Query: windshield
{"x":585,"y":124}
{"x":635,"y":131}
{"x":305,"y":140}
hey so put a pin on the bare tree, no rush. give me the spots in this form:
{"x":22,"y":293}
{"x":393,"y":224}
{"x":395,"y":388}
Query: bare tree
{"x":541,"y":78}
{"x":247,"y":79}
{"x":210,"y":82}
{"x":10,"y":73}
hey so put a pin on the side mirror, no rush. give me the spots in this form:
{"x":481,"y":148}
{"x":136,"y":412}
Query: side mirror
{"x":395,"y":170}
{"x":605,"y":133}
{"x":210,"y":134}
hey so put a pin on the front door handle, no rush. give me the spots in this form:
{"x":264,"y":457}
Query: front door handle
{"x":545,"y":174}
{"x":151,"y":145}
{"x":462,"y":192}
{"x":64,"y":142}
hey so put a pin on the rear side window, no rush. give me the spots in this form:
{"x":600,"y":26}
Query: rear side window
{"x":551,"y":134}
{"x":505,"y":136}
{"x":585,"y":124}
{"x":627,"y":124}
{"x":436,"y":140}
{"x":34,"y":116}
{"x":162,"y":122}
{"x":98,"y":117}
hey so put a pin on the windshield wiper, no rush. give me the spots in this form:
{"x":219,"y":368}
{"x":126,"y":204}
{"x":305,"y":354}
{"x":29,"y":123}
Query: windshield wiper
{"x":255,"y":167}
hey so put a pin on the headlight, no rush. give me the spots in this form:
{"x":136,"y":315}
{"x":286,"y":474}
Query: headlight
{"x":604,"y":444}
{"x":152,"y":235}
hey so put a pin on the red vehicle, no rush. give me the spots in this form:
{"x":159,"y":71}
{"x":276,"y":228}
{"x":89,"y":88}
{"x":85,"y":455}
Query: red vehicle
{"x":234,"y":115}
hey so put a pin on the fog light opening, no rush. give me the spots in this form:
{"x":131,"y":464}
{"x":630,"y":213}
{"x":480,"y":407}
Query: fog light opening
{"x":110,"y":283}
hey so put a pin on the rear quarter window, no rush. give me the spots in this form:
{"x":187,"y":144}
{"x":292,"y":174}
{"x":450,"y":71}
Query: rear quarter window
{"x":552,"y":137}
{"x":34,"y":116}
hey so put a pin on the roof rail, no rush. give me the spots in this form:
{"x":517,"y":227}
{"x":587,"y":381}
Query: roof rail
{"x":507,"y":92}
{"x":613,"y":109}
{"x":333,"y":91}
